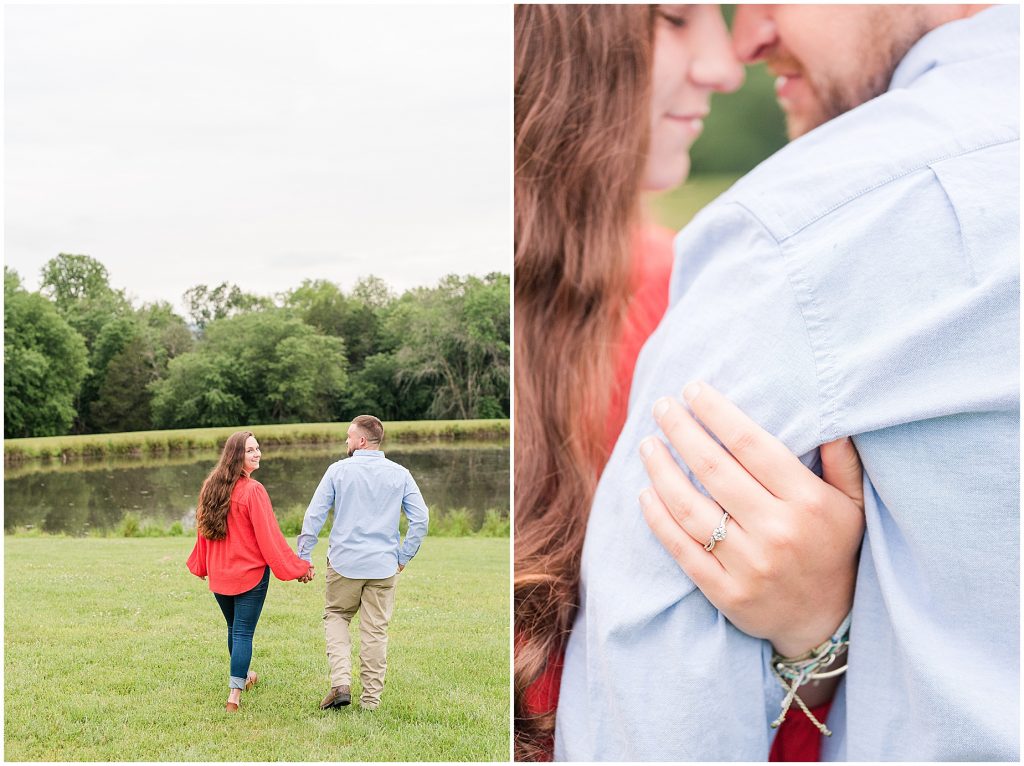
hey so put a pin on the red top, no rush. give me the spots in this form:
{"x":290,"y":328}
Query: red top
{"x":649,"y":278}
{"x":797,"y":739}
{"x":254,"y":540}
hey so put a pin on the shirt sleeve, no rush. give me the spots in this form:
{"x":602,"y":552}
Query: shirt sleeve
{"x":415,"y":510}
{"x":316,"y":515}
{"x":197,"y":560}
{"x":282,"y":560}
{"x":737,"y":326}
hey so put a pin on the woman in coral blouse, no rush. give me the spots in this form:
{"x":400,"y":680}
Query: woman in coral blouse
{"x":238,"y":545}
{"x":608,"y":101}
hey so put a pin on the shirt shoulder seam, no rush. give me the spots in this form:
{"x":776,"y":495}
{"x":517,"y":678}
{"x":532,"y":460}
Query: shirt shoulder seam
{"x":923,"y":165}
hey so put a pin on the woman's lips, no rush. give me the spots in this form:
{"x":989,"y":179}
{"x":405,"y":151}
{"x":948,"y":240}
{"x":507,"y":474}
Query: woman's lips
{"x":693,"y":122}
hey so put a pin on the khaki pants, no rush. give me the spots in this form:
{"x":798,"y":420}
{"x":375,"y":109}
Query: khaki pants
{"x":375,"y":601}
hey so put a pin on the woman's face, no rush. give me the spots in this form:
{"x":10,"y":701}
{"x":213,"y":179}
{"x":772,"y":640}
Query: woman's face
{"x":693,"y":56}
{"x":252,"y":455}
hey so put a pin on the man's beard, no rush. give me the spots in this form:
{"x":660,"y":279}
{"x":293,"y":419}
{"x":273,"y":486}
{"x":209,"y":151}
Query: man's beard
{"x":838,"y":94}
{"x":351,"y":452}
{"x":837,"y":97}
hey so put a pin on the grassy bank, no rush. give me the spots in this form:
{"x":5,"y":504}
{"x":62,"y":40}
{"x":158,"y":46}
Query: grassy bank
{"x":188,"y":457}
{"x":455,"y":522}
{"x":157,"y":442}
{"x":113,"y":651}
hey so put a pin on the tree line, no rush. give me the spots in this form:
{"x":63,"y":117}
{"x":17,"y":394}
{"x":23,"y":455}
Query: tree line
{"x":79,"y":357}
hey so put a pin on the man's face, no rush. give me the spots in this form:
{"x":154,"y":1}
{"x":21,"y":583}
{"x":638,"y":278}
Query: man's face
{"x":828,"y":58}
{"x":355,"y":439}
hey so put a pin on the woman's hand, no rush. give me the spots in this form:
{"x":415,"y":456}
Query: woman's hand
{"x":785,"y":570}
{"x":310,"y":574}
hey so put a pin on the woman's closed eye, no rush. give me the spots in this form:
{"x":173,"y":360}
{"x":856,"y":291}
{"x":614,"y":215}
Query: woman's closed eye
{"x":676,"y":15}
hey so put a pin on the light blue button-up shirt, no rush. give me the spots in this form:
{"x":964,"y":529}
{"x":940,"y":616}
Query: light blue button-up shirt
{"x":865,"y":281}
{"x":367,"y":492}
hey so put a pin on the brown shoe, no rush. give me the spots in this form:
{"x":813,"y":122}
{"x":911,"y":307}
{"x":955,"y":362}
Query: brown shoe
{"x":338,"y":697}
{"x":231,"y":707}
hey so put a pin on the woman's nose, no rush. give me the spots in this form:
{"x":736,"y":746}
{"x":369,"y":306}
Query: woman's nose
{"x":715,"y":65}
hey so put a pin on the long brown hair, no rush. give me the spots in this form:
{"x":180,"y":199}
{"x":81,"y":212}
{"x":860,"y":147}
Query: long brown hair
{"x":582,"y":83}
{"x":215,"y":496}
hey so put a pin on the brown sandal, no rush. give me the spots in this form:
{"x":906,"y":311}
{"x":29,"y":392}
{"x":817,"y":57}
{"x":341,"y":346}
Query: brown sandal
{"x":231,"y":707}
{"x":251,"y":680}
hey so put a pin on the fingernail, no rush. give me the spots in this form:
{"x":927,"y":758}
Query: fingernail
{"x":647,"y":447}
{"x":646,"y":497}
{"x":691,"y":391}
{"x":661,"y":407}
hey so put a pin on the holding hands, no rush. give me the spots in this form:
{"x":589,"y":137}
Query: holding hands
{"x":310,"y":574}
{"x":774,"y":548}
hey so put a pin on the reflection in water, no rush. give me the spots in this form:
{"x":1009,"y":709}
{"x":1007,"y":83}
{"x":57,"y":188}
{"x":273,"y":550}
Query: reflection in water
{"x":77,"y":497}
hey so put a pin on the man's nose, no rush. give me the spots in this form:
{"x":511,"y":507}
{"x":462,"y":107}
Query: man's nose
{"x":753,"y":32}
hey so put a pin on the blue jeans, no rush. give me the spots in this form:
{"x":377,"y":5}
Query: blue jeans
{"x":242,"y":612}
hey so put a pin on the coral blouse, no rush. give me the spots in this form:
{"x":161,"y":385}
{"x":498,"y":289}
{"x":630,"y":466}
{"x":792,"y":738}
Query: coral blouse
{"x":797,"y":739}
{"x":649,"y":278}
{"x":254,"y":540}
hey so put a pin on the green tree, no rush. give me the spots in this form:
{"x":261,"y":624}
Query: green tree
{"x":200,"y":390}
{"x":135,"y":353}
{"x":378,"y":389}
{"x":79,"y":287}
{"x":114,"y":337}
{"x":44,"y":364}
{"x":455,"y":338}
{"x":321,"y":304}
{"x":355,"y":318}
{"x":225,"y":300}
{"x":373,"y":292}
{"x":265,"y":367}
{"x":169,"y":330}
{"x":124,"y":399}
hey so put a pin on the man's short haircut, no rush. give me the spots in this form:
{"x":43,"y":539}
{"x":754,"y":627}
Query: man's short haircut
{"x":372,"y":426}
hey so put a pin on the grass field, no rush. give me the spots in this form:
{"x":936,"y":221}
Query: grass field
{"x":675,"y":209}
{"x":113,"y":651}
{"x":156,"y":442}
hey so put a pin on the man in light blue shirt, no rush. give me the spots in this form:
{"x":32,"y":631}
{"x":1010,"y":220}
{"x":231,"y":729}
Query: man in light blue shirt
{"x":863,"y":281}
{"x":368,"y":493}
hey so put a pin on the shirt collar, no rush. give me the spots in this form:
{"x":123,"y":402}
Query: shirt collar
{"x":982,"y":34}
{"x":370,"y":452}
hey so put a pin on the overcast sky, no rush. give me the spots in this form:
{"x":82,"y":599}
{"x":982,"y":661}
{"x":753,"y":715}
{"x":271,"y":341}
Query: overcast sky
{"x":261,"y":145}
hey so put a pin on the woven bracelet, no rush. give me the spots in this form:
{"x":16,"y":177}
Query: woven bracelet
{"x":794,"y":672}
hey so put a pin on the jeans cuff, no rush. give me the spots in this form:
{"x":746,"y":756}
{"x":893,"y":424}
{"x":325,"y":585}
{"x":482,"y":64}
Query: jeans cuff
{"x":236,"y":683}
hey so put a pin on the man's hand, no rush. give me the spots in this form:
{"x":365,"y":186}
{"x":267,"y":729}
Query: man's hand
{"x":310,"y":574}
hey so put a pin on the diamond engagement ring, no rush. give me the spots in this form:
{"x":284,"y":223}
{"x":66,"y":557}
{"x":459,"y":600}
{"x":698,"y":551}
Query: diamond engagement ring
{"x":718,"y":534}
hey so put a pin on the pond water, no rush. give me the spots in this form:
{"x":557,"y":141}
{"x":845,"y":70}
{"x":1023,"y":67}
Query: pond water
{"x":83,"y":495}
